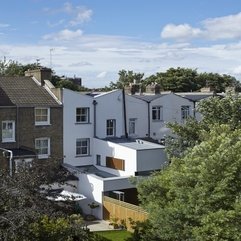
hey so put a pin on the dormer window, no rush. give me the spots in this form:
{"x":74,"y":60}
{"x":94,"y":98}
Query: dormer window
{"x":42,"y":116}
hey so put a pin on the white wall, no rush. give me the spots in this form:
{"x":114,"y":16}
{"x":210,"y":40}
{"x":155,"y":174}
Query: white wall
{"x":92,"y":187}
{"x":171,"y":104}
{"x":151,"y":159}
{"x":107,"y":148}
{"x":136,"y":108}
{"x":72,"y":131}
{"x":109,"y":106}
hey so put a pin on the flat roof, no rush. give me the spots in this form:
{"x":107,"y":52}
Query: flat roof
{"x":90,"y":169}
{"x":136,"y":144}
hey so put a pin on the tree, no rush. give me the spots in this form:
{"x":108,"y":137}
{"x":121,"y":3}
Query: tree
{"x":187,"y":80}
{"x":23,"y":203}
{"x":198,"y":196}
{"x":126,"y":78}
{"x":219,"y":110}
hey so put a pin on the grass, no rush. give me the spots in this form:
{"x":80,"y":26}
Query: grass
{"x":115,"y":235}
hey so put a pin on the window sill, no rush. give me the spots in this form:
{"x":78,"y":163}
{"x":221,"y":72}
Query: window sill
{"x":157,"y":120}
{"x":43,"y":156}
{"x":83,"y":123}
{"x":42,"y":124}
{"x":8,"y":141}
{"x":82,"y":156}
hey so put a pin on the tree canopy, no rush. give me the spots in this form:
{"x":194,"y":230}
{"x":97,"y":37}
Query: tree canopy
{"x":25,"y":212}
{"x":198,"y":196}
{"x":178,"y":80}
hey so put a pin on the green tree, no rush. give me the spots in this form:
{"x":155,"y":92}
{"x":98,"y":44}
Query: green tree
{"x":126,"y":78}
{"x":187,"y":80}
{"x":22,"y":201}
{"x":198,"y":196}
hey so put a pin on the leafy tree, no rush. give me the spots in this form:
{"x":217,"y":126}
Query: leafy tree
{"x":126,"y":78}
{"x":22,"y":203}
{"x":187,"y":80}
{"x":198,"y":196}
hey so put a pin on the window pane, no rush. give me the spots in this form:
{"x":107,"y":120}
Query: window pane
{"x":82,"y":115}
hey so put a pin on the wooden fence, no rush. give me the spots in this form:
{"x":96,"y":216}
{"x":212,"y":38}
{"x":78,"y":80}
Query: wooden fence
{"x":120,"y":211}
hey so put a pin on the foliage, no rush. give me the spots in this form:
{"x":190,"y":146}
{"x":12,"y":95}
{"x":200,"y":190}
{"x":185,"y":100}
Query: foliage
{"x":188,"y":80}
{"x":58,"y":229}
{"x":14,"y":68}
{"x":126,"y":78}
{"x":22,"y":202}
{"x":198,"y":196}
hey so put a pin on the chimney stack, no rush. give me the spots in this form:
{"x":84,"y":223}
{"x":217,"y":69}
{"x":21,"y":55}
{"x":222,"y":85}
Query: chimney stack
{"x":40,"y":74}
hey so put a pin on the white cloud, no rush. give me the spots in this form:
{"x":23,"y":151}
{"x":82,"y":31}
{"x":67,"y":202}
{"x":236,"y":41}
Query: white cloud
{"x":182,"y":31}
{"x":227,"y":27}
{"x":102,"y":75}
{"x":64,"y":35}
{"x":82,"y":15}
{"x":223,"y":27}
{"x":95,"y":57}
{"x":4,"y":25}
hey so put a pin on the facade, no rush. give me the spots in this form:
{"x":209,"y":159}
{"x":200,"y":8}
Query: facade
{"x":30,"y":118}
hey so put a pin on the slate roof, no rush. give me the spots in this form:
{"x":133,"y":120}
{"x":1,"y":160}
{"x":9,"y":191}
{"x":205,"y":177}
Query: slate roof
{"x":4,"y":100}
{"x":148,"y":98}
{"x":24,"y":91}
{"x":195,"y":96}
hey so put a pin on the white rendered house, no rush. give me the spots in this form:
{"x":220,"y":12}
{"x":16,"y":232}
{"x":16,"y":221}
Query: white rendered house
{"x":97,"y":148}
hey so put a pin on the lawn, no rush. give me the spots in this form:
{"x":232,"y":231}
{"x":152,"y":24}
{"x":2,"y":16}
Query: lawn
{"x":115,"y":235}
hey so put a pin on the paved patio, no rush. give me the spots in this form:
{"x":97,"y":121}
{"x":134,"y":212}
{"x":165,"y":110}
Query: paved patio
{"x":98,"y":225}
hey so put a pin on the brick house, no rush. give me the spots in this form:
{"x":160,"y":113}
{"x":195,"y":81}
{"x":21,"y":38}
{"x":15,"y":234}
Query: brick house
{"x":31,"y":123}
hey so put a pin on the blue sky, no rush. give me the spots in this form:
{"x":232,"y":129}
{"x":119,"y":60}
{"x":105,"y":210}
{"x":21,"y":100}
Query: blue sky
{"x":94,"y":39}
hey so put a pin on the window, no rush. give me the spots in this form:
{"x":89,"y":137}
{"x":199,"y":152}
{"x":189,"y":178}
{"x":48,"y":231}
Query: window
{"x":185,"y":112}
{"x":110,"y":127}
{"x":132,"y":126}
{"x":42,"y":146}
{"x":42,"y":116}
{"x":82,"y":146}
{"x":8,"y":131}
{"x":98,"y":160}
{"x":157,"y":113}
{"x":82,"y":115}
{"x":115,"y":163}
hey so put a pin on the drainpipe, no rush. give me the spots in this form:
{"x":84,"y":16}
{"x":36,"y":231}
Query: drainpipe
{"x":10,"y":160}
{"x":194,"y":109}
{"x":95,"y":103}
{"x":17,"y":124}
{"x":124,"y":110}
{"x":149,"y":125}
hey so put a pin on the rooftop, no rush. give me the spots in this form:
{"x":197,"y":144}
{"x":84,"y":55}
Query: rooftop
{"x":136,"y":144}
{"x":24,"y":91}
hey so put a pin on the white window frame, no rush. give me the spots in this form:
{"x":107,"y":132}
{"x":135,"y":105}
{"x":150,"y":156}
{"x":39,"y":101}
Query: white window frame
{"x":185,"y":112}
{"x":81,"y":115}
{"x":39,"y":147}
{"x":42,"y":122}
{"x":132,"y":126}
{"x":82,"y":144}
{"x":157,"y":113}
{"x":6,"y":131}
{"x":111,"y":127}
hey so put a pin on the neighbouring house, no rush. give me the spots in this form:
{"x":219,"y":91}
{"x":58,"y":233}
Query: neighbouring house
{"x":161,"y":109}
{"x":30,"y":118}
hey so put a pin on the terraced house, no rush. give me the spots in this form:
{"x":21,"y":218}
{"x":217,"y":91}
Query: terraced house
{"x":30,"y":118}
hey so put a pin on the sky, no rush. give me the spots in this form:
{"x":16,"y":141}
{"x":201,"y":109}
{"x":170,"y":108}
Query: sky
{"x":95,"y":39}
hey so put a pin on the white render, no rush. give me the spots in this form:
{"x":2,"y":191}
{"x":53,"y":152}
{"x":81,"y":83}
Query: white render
{"x":72,"y":130}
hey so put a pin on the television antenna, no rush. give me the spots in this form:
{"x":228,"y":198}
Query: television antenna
{"x":50,"y":57}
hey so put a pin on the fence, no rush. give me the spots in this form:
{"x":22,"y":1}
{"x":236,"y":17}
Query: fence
{"x":122,"y":212}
